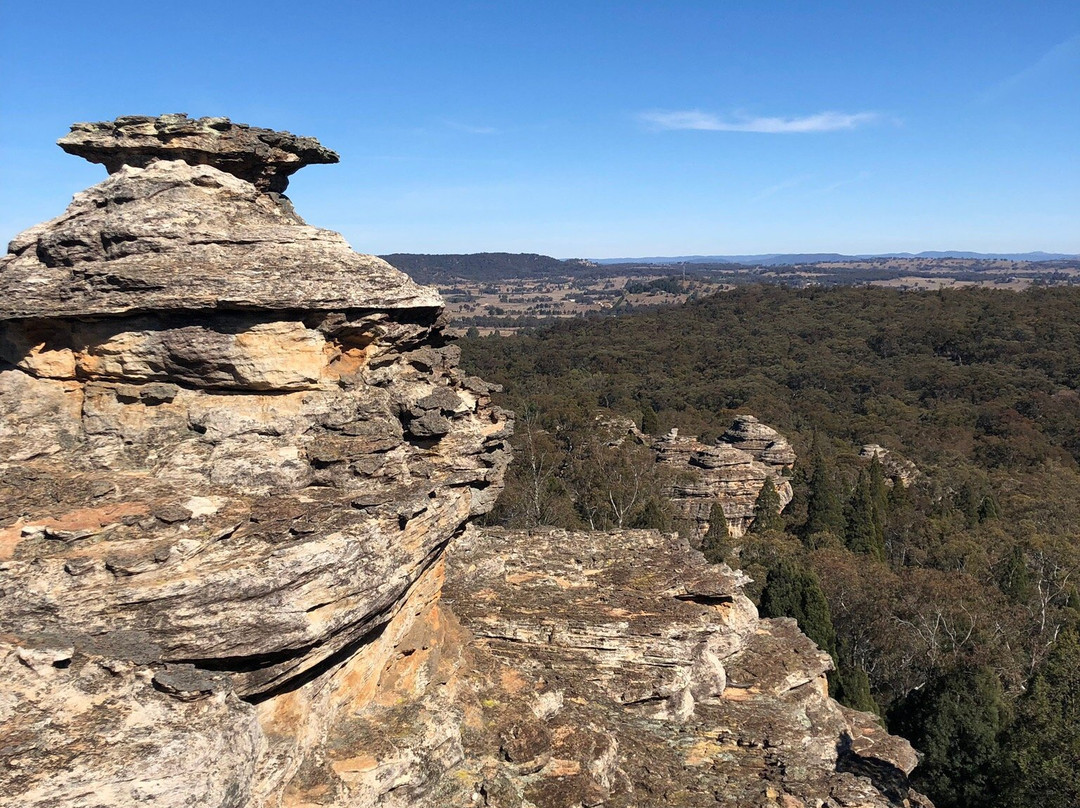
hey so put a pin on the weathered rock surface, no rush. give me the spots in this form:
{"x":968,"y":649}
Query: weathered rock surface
{"x":85,"y":730}
{"x":174,"y":229}
{"x":230,"y":450}
{"x":619,"y":669}
{"x":228,"y":480}
{"x":263,"y":157}
{"x":570,"y":669}
{"x":895,"y":466}
{"x":763,"y":442}
{"x":729,"y":473}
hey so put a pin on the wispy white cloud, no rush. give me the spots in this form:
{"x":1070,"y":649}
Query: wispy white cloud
{"x":772,"y":190}
{"x":1057,"y":59}
{"x":862,"y":175}
{"x":705,"y":121}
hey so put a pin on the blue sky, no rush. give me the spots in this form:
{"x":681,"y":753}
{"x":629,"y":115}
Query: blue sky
{"x":591,"y":129}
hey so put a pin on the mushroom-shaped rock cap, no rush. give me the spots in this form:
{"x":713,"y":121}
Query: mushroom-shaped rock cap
{"x":175,"y":228}
{"x":263,"y":157}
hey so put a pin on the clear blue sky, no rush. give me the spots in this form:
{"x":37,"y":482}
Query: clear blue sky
{"x":591,"y":129}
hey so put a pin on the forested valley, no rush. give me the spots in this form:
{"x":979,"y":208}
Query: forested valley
{"x":950,"y":604}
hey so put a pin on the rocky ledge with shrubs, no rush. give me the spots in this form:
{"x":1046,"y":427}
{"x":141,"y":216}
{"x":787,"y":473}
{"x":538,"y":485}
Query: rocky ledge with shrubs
{"x":234,"y":454}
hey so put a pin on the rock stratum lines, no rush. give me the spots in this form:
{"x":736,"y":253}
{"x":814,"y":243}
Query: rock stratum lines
{"x":239,"y":464}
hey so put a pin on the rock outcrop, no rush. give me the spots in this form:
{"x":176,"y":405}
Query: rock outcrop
{"x":608,"y":668}
{"x":764,"y":443}
{"x":263,"y":157}
{"x":729,"y":473}
{"x":232,"y":451}
{"x":234,"y":454}
{"x":618,"y":669}
{"x":896,"y":468}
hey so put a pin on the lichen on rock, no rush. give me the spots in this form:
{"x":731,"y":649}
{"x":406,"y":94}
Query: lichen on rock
{"x":233,"y":454}
{"x":216,"y":445}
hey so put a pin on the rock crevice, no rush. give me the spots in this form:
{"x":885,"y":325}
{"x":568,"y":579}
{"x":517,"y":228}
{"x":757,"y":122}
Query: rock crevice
{"x":231,"y":450}
{"x":233,"y":456}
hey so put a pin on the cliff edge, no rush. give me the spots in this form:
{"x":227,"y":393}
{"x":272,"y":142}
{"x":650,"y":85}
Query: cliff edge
{"x":237,"y":467}
{"x":233,"y":451}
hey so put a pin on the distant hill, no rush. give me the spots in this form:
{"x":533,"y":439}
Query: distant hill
{"x":446,"y":270}
{"x":1028,"y":256}
{"x":484,"y":266}
{"x":774,"y":259}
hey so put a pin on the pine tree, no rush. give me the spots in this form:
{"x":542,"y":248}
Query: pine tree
{"x":853,"y":689}
{"x":967,"y":500}
{"x":956,"y":722}
{"x":899,"y":498}
{"x":824,"y":511}
{"x":652,"y":515}
{"x":650,"y":424}
{"x":1043,"y":747}
{"x":767,"y":509}
{"x":1014,"y":578}
{"x":861,"y":533}
{"x":792,"y":590}
{"x":879,"y":494}
{"x":988,"y":508}
{"x":717,"y":542}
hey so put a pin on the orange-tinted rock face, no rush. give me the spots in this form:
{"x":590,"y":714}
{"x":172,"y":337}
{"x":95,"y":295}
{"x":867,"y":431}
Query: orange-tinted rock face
{"x":232,"y":451}
{"x":234,"y":454}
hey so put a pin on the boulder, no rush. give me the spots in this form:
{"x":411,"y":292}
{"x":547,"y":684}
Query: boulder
{"x":233,"y":454}
{"x":211,"y":489}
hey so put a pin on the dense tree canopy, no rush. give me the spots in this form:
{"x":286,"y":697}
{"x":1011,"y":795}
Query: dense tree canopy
{"x":950,"y":582}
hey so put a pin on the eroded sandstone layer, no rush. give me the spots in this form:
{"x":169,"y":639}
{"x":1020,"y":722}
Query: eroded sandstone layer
{"x":730,"y":472}
{"x":232,"y":450}
{"x":607,"y":668}
{"x":621,"y":670}
{"x":234,"y":454}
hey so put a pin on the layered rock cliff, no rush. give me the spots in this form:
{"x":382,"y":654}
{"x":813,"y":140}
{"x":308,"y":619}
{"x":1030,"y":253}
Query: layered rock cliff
{"x":233,"y":450}
{"x":234,"y":454}
{"x":730,"y":472}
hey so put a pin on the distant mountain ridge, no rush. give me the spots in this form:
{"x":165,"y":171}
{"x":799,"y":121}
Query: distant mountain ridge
{"x":492,"y":266}
{"x":772,"y":259}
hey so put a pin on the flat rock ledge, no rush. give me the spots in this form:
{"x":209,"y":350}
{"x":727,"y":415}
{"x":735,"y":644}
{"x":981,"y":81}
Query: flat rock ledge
{"x":233,"y":456}
{"x":263,"y":157}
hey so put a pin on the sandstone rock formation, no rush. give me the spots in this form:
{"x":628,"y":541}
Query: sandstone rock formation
{"x":763,"y":442}
{"x":621,"y":670}
{"x":263,"y":157}
{"x":730,"y":473}
{"x":608,"y":668}
{"x":895,"y":466}
{"x":232,"y":451}
{"x":233,"y":456}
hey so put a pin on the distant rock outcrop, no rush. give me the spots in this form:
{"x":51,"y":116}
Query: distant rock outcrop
{"x":896,"y":467}
{"x":763,"y":442}
{"x":730,"y":473}
{"x":233,"y":456}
